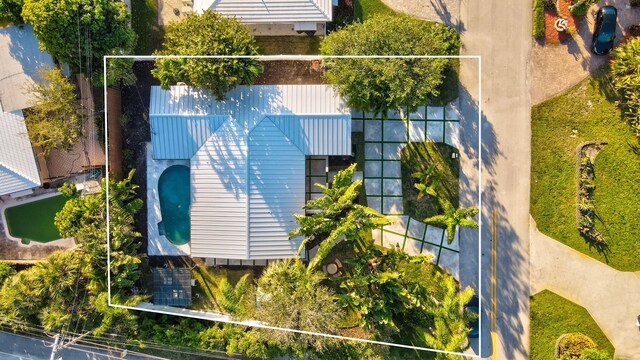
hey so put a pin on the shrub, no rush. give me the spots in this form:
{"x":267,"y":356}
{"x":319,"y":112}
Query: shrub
{"x":6,"y":271}
{"x":10,"y":11}
{"x":594,"y":354}
{"x":573,"y":344}
{"x":538,"y":18}
{"x":626,"y":80}
{"x":634,"y":3}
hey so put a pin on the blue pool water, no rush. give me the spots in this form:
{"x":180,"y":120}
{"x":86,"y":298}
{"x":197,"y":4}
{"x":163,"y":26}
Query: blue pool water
{"x":175,"y":199}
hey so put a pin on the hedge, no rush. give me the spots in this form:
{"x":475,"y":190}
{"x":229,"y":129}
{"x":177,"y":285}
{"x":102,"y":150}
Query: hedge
{"x":538,"y":19}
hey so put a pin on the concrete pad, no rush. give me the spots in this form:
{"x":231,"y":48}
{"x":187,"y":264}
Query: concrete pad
{"x":395,"y":130}
{"x":451,"y":112}
{"x":434,"y":234}
{"x":392,"y":151}
{"x":392,"y":187}
{"x":450,"y":261}
{"x":375,"y":202}
{"x":390,"y":239}
{"x":357,"y":125}
{"x":428,"y":249}
{"x":373,"y":151}
{"x":373,"y":168}
{"x":417,"y":132}
{"x":435,"y":112}
{"x":435,"y":131}
{"x":373,"y":130}
{"x":373,"y":186}
{"x":392,"y":169}
{"x":416,"y":229}
{"x":399,"y":224}
{"x":452,"y":134}
{"x":392,"y":205}
{"x":412,"y":247}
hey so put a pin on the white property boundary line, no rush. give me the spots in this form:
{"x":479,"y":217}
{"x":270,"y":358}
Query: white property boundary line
{"x":308,"y":57}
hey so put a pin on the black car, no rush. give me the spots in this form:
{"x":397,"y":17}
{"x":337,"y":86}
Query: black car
{"x":605,"y":31}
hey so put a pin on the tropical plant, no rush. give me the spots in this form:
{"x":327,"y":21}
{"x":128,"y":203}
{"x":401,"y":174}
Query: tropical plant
{"x":625,"y":70}
{"x":80,"y":32}
{"x":337,"y":216}
{"x":592,"y":354}
{"x":208,"y":33}
{"x":229,"y":297}
{"x":54,"y":120}
{"x":452,"y":218}
{"x":289,"y":296}
{"x":119,"y":72}
{"x":379,"y":85}
{"x":10,"y":11}
{"x":6,"y":271}
{"x":429,"y":179}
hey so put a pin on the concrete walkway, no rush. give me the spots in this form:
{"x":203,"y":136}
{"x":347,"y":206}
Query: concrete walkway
{"x":444,"y":11}
{"x":558,"y":67}
{"x":610,"y":296}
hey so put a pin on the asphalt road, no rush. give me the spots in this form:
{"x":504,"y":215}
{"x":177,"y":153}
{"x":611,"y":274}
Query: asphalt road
{"x":500,"y":32}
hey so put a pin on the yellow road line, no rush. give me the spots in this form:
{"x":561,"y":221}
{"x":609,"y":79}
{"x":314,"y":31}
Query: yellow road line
{"x":494,"y":251}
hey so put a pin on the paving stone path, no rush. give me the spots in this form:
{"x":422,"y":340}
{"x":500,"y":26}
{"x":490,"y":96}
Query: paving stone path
{"x":384,"y":140}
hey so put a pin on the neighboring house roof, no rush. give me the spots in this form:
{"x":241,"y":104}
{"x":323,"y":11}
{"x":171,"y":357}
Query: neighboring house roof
{"x":248,"y":176}
{"x":18,"y":168}
{"x":21,"y":59}
{"x":172,"y":286}
{"x":270,"y":11}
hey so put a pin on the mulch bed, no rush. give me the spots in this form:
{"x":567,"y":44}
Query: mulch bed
{"x":290,"y":72}
{"x":551,"y":35}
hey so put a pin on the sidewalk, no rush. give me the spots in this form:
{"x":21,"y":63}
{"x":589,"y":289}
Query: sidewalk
{"x":610,"y":296}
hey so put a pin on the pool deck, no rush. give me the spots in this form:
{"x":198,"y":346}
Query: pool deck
{"x":12,"y":248}
{"x":159,"y":245}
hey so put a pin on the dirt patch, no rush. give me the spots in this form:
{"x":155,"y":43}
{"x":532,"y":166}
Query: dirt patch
{"x":290,"y":72}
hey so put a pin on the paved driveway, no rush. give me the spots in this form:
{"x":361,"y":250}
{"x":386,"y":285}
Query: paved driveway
{"x":559,"y":67}
{"x":610,"y":296}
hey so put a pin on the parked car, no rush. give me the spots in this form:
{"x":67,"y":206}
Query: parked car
{"x":605,"y":31}
{"x":473,"y":306}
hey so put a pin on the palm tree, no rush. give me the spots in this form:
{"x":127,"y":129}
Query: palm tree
{"x":229,"y":297}
{"x":337,"y":216}
{"x":452,"y":218}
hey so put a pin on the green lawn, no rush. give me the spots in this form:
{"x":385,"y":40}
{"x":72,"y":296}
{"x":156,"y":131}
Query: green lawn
{"x":551,"y":316}
{"x":417,"y":157}
{"x":34,"y":221}
{"x":288,"y":45}
{"x":144,"y":15}
{"x":364,"y":9}
{"x":584,"y":113}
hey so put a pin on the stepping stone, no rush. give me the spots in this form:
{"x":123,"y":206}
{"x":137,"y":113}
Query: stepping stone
{"x":375,"y":202}
{"x":376,"y":234}
{"x":435,"y":112}
{"x":390,"y":239}
{"x":318,"y":167}
{"x":392,"y":205}
{"x":452,"y":136}
{"x":419,"y":113}
{"x":455,"y":244}
{"x":395,"y":130}
{"x":357,"y":114}
{"x":412,"y":247}
{"x":373,"y":130}
{"x":357,"y":125}
{"x":435,"y":131}
{"x":392,"y":187}
{"x":373,"y":186}
{"x":428,"y":249}
{"x":373,"y":168}
{"x":416,"y":229}
{"x":394,"y":114}
{"x":417,"y":131}
{"x":434,"y":234}
{"x":373,"y":151}
{"x":392,"y":170}
{"x":399,"y":224}
{"x":392,"y":151}
{"x":451,"y":262}
{"x":451,"y":112}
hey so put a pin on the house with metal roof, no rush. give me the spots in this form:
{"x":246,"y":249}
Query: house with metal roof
{"x":18,"y":168}
{"x":247,"y":157}
{"x":302,"y":15}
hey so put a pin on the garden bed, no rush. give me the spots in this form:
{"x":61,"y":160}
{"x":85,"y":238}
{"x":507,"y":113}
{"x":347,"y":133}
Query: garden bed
{"x":417,"y":157}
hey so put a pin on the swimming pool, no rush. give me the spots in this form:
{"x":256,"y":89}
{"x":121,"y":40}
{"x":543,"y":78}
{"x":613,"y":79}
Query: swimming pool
{"x":175,"y":200}
{"x":34,"y":220}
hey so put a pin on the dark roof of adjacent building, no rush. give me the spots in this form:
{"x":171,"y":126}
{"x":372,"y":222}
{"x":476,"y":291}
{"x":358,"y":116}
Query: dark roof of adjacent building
{"x":172,"y":286}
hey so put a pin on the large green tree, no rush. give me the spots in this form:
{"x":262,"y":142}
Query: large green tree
{"x":80,"y":32}
{"x":337,"y":215}
{"x":625,"y":69}
{"x":378,"y":85}
{"x":54,"y":120}
{"x":208,"y":34}
{"x":11,"y":11}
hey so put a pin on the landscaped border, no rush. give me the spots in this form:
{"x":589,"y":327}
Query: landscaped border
{"x":223,"y":318}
